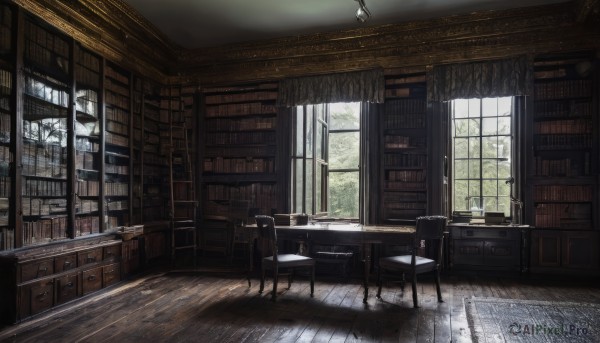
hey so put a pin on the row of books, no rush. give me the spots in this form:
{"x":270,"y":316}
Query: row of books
{"x":241,"y":151}
{"x":118,"y":205}
{"x":402,"y":213}
{"x":260,"y":195}
{"x":564,"y":216}
{"x":403,"y":185}
{"x":116,"y":127}
{"x":5,"y":82}
{"x":240,"y":138}
{"x":44,"y":160}
{"x":562,"y":109}
{"x":243,"y":109}
{"x":562,"y":141}
{"x":406,"y":205}
{"x":562,"y":167}
{"x":7,"y":238}
{"x":115,"y":99}
{"x":563,"y":89}
{"x":85,"y":206}
{"x":116,"y":189}
{"x":241,"y":88}
{"x":43,"y":188}
{"x":85,"y":160}
{"x":401,"y":142}
{"x":406,"y":175}
{"x":259,"y":123}
{"x":46,"y":39}
{"x":115,"y":75}
{"x":87,"y":225}
{"x":119,"y":169}
{"x":569,"y":126}
{"x":88,"y":60}
{"x":114,"y":221}
{"x":117,"y":140}
{"x":405,"y":121}
{"x":566,"y":193}
{"x":5,"y":186}
{"x":405,"y":160}
{"x":240,"y":97}
{"x":396,"y":197}
{"x":116,"y":88}
{"x":86,"y":77}
{"x":44,"y":230}
{"x":43,"y":206}
{"x":117,"y":114}
{"x":403,"y":107}
{"x":239,"y":165}
{"x":87,"y":188}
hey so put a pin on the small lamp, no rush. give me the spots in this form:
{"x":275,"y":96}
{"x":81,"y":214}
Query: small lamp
{"x":362,"y":13}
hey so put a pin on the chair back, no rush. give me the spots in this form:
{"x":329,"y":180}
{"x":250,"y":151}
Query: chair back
{"x":431,"y":230}
{"x":267,"y":235}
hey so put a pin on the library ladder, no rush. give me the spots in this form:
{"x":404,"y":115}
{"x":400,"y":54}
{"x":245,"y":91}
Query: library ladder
{"x":183,"y":202}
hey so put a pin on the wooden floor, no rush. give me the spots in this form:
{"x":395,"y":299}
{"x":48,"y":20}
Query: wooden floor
{"x":213,"y":307}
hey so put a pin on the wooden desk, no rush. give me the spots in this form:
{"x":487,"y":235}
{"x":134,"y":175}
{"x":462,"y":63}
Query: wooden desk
{"x":343,"y":234}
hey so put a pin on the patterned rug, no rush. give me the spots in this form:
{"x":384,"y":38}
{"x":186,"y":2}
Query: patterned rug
{"x":510,"y":320}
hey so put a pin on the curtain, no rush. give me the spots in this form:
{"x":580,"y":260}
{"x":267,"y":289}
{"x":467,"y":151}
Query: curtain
{"x":488,"y":79}
{"x":364,"y":86}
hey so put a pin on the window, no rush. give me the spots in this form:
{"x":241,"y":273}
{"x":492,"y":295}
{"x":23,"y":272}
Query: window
{"x":482,"y":154}
{"x":326,"y":160}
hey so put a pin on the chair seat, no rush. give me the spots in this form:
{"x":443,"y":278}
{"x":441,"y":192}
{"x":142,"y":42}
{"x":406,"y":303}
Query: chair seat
{"x":404,"y":263}
{"x":290,"y":260}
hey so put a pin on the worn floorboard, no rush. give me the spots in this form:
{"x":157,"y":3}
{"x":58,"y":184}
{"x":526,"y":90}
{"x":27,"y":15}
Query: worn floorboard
{"x":200,"y":306}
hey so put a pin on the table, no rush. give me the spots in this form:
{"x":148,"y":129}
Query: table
{"x":363,"y":236}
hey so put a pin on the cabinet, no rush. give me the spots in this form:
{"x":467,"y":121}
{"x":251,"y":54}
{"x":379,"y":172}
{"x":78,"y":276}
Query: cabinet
{"x":562,"y":176}
{"x":36,"y":279}
{"x":239,"y":157}
{"x":404,"y":149}
{"x":487,"y":247}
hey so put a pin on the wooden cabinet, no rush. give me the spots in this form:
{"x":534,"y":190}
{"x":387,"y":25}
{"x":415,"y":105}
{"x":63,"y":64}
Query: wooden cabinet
{"x":487,"y":247}
{"x":37,"y":278}
{"x":570,"y":252}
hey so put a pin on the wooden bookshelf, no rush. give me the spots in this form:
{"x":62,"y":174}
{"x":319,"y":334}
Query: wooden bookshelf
{"x":7,"y":118}
{"x":404,"y":149}
{"x":562,"y":186}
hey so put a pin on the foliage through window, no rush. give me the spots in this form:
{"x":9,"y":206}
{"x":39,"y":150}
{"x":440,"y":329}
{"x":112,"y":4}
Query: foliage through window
{"x":482,"y":154}
{"x":326,"y":160}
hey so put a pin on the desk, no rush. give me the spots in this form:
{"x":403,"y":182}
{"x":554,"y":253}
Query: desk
{"x":344,"y":234}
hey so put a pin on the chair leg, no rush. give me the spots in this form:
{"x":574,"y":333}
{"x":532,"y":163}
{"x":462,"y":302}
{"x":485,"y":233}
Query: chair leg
{"x":312,"y":281}
{"x":291,"y":277}
{"x":379,"y":283}
{"x":275,"y":281}
{"x":262,"y":280}
{"x":414,"y":291}
{"x":437,"y":286}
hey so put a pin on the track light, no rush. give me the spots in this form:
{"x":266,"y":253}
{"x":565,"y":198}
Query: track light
{"x":362,"y":13}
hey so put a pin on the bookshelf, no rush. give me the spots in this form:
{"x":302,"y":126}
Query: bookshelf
{"x":136,"y":151}
{"x":562,"y":174}
{"x":239,"y":157}
{"x":404,"y":149}
{"x":117,"y":94}
{"x":7,"y":230}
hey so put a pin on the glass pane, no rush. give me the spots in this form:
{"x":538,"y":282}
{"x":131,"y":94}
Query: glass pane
{"x":298,"y":186}
{"x":490,"y":204}
{"x":489,"y":147}
{"x":489,"y":169}
{"x":344,"y":194}
{"x":504,"y":147}
{"x":461,"y":148}
{"x":320,"y":111}
{"x":474,"y":147}
{"x":504,"y":206}
{"x":489,"y":126}
{"x":309,"y":131}
{"x":320,"y":141}
{"x":503,"y":187}
{"x":474,"y":168}
{"x":344,"y":150}
{"x":461,"y":192}
{"x":474,"y":108}
{"x":299,"y":131}
{"x":490,"y":187}
{"x":504,"y":126}
{"x":309,"y":186}
{"x":505,"y":106}
{"x":461,"y":127}
{"x":504,"y":169}
{"x":474,"y":187}
{"x":475,"y":127}
{"x":489,"y":107}
{"x":345,"y":116}
{"x":461,"y":108}
{"x":318,"y":188}
{"x":461,"y":169}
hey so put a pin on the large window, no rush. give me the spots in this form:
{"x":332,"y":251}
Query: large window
{"x":326,"y":160}
{"x":482,"y":154}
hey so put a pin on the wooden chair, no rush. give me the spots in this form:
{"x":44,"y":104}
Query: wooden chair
{"x":275,"y":262}
{"x":431,"y":230}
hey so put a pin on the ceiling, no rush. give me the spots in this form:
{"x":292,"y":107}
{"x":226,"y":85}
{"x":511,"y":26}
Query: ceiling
{"x":195,"y":24}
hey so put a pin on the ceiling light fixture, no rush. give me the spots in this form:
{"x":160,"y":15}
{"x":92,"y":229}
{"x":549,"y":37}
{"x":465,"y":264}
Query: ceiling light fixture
{"x":362,"y":13}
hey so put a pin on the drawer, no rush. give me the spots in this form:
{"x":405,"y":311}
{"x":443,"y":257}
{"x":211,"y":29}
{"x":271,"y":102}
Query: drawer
{"x":89,"y":256}
{"x":467,"y":251}
{"x":112,"y":252}
{"x":36,"y":297}
{"x":502,"y":253}
{"x":37,"y":269}
{"x":91,"y":280}
{"x":111,"y":274}
{"x":487,"y":233}
{"x":66,"y":288}
{"x":65,"y":262}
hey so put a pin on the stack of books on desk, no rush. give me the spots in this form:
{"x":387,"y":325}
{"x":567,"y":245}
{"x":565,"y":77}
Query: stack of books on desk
{"x":287,"y":219}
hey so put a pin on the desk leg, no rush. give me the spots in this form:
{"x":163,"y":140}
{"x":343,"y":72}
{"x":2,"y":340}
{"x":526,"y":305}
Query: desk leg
{"x":367,"y":267}
{"x":250,"y":260}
